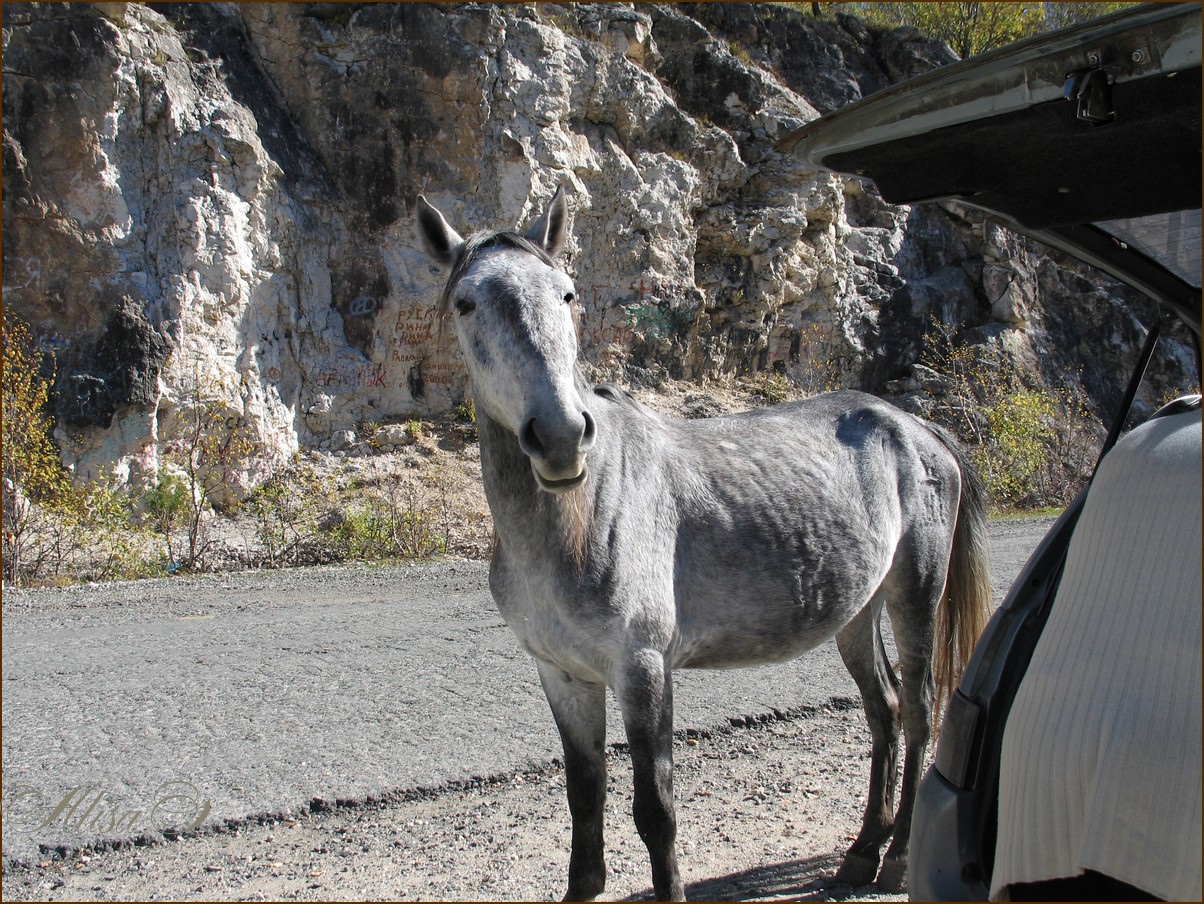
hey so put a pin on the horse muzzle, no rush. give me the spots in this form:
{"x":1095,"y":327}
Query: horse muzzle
{"x":557,"y":445}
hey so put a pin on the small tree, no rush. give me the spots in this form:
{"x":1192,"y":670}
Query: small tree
{"x":1033,"y":446}
{"x":975,"y":27}
{"x":168,"y":504}
{"x":287,"y":507}
{"x":1063,"y":15}
{"x":211,"y":449}
{"x":34,"y":478}
{"x":104,"y":545}
{"x":968,"y":28}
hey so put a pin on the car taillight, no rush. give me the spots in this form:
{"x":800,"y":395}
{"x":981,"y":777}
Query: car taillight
{"x":957,"y":746}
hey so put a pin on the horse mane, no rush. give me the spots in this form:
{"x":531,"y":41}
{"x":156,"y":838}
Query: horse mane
{"x":576,"y":507}
{"x":621,"y":396}
{"x":577,"y":519}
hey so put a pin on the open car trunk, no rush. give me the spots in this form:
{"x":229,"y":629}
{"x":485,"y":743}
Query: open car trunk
{"x":1088,"y":140}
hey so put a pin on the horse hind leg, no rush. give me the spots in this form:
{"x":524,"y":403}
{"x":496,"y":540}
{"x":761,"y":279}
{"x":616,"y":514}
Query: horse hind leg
{"x":860,"y":645}
{"x":579,"y":708}
{"x":912,"y":619}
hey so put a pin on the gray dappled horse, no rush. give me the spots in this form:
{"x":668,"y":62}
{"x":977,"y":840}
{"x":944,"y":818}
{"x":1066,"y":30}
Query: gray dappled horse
{"x":629,"y":544}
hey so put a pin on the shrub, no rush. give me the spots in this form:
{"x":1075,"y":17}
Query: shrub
{"x":106,"y":545}
{"x":54,"y":531}
{"x":378,"y":527}
{"x":466,"y":414}
{"x":287,"y":507}
{"x":37,"y":491}
{"x":1034,"y":446}
{"x":168,"y":505}
{"x":819,"y":367}
{"x":768,"y":387}
{"x":1012,"y":449}
{"x":300,"y":519}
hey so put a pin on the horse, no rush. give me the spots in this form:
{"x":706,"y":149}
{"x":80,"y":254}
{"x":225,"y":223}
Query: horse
{"x":628,"y":544}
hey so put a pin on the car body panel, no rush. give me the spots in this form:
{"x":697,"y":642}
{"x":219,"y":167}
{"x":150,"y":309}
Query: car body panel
{"x":1008,"y":80}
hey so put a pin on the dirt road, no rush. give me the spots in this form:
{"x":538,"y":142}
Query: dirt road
{"x":277,"y":699}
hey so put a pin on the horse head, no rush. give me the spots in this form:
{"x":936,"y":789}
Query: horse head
{"x":512,"y":308}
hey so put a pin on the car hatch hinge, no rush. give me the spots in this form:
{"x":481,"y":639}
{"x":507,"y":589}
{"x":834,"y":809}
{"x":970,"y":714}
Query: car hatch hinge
{"x":1091,"y":90}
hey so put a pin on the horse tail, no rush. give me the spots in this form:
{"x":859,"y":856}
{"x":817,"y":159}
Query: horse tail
{"x":965,"y":605}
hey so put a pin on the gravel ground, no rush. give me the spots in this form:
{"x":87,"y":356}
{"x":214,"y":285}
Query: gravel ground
{"x":764,"y":812}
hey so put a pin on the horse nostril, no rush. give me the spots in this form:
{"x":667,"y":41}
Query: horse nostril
{"x":529,"y":442}
{"x":590,"y":433}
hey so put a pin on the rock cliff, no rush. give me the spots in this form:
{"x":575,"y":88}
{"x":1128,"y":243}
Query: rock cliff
{"x":215,"y":201}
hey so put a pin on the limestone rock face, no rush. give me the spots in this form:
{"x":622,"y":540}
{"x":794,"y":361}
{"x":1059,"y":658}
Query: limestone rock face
{"x":212,"y":205}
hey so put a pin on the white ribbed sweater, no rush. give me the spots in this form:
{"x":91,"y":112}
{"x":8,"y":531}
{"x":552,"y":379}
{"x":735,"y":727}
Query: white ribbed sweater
{"x":1101,"y":763}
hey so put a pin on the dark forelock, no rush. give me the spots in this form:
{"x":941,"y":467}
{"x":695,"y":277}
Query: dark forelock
{"x":473,"y":247}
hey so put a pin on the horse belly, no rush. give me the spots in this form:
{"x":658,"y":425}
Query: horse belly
{"x":759,"y":621}
{"x":774,"y":567}
{"x":735,"y":649}
{"x":777,"y":594}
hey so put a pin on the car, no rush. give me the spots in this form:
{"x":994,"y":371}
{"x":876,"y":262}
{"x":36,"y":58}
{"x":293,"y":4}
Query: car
{"x":1068,"y":761}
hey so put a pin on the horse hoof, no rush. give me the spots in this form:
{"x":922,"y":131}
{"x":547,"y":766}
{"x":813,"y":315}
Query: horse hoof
{"x":585,"y":891}
{"x":893,"y":878}
{"x":857,"y":870}
{"x":571,"y":896}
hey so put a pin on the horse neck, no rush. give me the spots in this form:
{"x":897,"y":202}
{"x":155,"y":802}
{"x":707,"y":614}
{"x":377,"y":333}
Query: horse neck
{"x":504,"y":467}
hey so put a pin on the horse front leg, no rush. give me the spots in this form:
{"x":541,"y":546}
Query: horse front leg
{"x":645,"y":692}
{"x":579,"y":708}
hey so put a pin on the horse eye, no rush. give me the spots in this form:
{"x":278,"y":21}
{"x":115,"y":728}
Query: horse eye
{"x":569,"y":298}
{"x":464,"y":306}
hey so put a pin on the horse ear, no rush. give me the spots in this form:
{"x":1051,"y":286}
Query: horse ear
{"x":440,"y":240}
{"x":550,"y":230}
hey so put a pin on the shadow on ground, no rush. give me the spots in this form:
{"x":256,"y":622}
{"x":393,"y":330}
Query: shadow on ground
{"x":799,"y":880}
